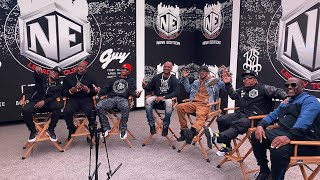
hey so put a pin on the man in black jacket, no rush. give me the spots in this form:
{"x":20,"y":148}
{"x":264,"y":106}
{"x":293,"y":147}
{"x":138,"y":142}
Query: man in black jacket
{"x":164,"y":86}
{"x":43,"y":99}
{"x":254,"y":99}
{"x":79,"y":88}
{"x":118,"y":90}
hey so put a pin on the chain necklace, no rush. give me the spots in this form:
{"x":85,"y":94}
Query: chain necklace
{"x":79,"y":80}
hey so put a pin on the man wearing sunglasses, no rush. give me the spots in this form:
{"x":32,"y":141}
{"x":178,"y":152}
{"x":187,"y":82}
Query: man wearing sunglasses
{"x":253,"y":99}
{"x":118,"y":90}
{"x":298,"y":120}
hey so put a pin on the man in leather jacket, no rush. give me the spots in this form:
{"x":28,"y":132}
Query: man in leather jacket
{"x":47,"y":88}
{"x":253,"y":98}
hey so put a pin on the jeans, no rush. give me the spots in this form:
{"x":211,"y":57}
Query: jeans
{"x":163,"y":105}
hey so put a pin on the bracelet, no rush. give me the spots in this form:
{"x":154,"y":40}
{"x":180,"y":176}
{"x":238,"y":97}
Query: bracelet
{"x":70,"y":91}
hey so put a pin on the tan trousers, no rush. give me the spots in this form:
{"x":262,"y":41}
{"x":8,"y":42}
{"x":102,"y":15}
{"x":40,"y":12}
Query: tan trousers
{"x":198,"y":108}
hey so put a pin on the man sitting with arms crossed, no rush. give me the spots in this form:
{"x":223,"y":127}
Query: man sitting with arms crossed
{"x":202,"y":91}
{"x":118,"y":90}
{"x":254,"y":99}
{"x":46,"y":90}
{"x":298,"y":120}
{"x":164,"y":86}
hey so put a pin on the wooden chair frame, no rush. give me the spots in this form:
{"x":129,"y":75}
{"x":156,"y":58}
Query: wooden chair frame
{"x":304,"y":161}
{"x":211,"y":117}
{"x":82,"y":122}
{"x":157,"y":115}
{"x":115,"y":120}
{"x":41,"y":121}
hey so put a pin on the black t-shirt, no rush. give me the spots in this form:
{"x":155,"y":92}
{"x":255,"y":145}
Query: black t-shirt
{"x":118,"y":86}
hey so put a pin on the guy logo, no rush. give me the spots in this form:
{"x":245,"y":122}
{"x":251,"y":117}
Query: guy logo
{"x":212,"y":20}
{"x":299,"y":42}
{"x":168,"y":21}
{"x":53,"y":36}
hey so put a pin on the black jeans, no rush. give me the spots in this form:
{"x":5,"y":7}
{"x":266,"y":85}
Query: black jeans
{"x":73,"y":106}
{"x":231,"y":125}
{"x":279,"y":157}
{"x":29,"y":109}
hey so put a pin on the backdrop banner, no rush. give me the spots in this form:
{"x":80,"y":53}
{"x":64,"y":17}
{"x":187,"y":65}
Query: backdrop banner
{"x":49,"y":33}
{"x":279,"y":40}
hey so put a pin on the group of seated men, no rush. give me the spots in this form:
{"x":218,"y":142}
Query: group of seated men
{"x":297,"y":115}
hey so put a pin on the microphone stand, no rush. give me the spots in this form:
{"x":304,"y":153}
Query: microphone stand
{"x":95,"y":132}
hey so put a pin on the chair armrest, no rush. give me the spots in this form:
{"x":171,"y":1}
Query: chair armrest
{"x":305,"y":143}
{"x":233,"y":108}
{"x":257,"y":117}
{"x":214,"y":113}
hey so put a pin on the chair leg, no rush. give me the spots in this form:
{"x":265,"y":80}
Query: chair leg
{"x":203,"y":150}
{"x":304,"y":174}
{"x":314,"y":173}
{"x":29,"y":150}
{"x":147,"y":140}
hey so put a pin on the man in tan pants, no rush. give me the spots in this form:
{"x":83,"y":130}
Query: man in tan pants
{"x":203,"y":91}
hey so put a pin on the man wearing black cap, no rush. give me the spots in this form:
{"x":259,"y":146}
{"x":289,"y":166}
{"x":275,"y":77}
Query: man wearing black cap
{"x":254,"y":99}
{"x":118,"y":90}
{"x":47,"y":88}
{"x":202,"y":91}
{"x":79,"y":88}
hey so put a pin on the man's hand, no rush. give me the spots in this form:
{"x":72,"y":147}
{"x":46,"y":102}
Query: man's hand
{"x":286,"y":100}
{"x":38,"y":70}
{"x":74,"y":89}
{"x":280,"y":141}
{"x":39,"y":104}
{"x":84,"y":88}
{"x":96,"y":89}
{"x":144,"y":83}
{"x":185,"y":73}
{"x":138,"y":94}
{"x":260,"y":133}
{"x":159,"y":98}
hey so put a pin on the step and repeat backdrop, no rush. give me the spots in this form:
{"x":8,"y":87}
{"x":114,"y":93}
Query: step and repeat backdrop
{"x":189,"y":34}
{"x":280,"y":39}
{"x":51,"y":33}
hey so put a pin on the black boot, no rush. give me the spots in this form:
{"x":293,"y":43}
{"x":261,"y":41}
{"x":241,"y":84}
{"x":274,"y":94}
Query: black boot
{"x":182,"y":136}
{"x":189,"y":134}
{"x":152,"y":129}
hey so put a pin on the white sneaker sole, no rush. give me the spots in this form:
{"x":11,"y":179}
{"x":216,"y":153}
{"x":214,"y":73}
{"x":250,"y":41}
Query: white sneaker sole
{"x":32,"y":140}
{"x":53,"y":140}
{"x":124,"y":137}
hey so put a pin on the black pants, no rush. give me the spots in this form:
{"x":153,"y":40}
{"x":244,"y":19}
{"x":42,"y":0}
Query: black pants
{"x":279,"y":157}
{"x":29,"y":109}
{"x":231,"y":125}
{"x":73,"y":106}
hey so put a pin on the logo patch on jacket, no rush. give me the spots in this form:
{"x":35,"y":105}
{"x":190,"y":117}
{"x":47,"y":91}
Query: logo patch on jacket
{"x":253,"y":93}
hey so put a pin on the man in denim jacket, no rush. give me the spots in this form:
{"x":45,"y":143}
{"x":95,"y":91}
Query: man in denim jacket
{"x":203,"y":91}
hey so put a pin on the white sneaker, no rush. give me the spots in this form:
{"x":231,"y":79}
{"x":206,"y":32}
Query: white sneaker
{"x":105,"y":134}
{"x":223,"y":151}
{"x":123,"y":134}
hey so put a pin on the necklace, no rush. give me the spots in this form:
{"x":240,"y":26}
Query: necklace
{"x":79,"y":80}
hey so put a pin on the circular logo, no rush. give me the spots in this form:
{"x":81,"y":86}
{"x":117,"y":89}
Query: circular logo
{"x":12,"y":39}
{"x":120,"y":86}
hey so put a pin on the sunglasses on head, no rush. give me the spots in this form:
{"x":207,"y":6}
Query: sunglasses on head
{"x":286,"y":85}
{"x":125,"y":69}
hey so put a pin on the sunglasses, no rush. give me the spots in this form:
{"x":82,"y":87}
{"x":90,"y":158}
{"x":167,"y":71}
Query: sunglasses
{"x":286,"y":85}
{"x":248,"y":77}
{"x":125,"y":69}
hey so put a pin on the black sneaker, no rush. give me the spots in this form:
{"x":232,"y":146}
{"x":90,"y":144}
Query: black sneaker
{"x":182,"y":137}
{"x":211,"y":137}
{"x":224,"y":150}
{"x":264,"y":176}
{"x":52,"y":135}
{"x":189,"y":134}
{"x":33,"y":136}
{"x":123,"y":134}
{"x":152,"y":129}
{"x":165,"y":131}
